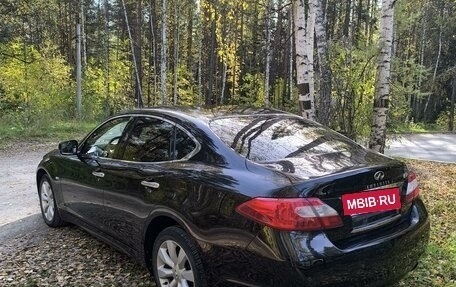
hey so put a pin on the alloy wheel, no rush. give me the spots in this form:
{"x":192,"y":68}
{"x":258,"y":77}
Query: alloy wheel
{"x":173,"y":266}
{"x":47,"y":201}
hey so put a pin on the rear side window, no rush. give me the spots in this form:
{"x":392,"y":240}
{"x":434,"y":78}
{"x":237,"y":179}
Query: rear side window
{"x":264,"y":138}
{"x":156,"y":140}
{"x":149,"y":141}
{"x":184,"y":145}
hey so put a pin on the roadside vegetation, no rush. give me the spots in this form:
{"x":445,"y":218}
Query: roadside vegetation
{"x":43,"y":131}
{"x":438,"y":190}
{"x":418,"y":128}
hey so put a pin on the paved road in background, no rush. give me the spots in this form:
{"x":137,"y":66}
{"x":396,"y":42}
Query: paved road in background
{"x":436,"y":147}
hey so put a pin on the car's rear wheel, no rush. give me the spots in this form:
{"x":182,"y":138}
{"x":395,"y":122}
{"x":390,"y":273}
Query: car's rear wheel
{"x":177,"y":260}
{"x":48,"y":205}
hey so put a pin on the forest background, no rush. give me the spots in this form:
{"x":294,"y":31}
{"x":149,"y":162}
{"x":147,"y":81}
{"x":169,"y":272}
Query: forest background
{"x":240,"y":52}
{"x":139,"y":53}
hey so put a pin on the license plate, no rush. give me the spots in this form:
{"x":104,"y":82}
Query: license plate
{"x":371,"y":201}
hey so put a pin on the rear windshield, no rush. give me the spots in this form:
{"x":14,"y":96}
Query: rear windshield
{"x":264,"y":138}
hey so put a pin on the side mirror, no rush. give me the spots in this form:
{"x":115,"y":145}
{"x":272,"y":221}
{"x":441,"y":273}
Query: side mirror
{"x":68,"y":147}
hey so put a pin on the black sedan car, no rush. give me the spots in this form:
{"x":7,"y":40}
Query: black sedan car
{"x":241,"y":197}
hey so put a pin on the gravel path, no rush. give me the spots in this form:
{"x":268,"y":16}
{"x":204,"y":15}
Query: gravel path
{"x":32,"y":254}
{"x":18,"y":194}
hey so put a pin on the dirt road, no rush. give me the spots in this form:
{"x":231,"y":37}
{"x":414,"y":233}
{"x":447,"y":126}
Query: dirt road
{"x":18,"y":193}
{"x":31,"y":254}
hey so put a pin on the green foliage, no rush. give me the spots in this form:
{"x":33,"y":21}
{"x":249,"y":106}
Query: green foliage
{"x":412,"y":127}
{"x":107,"y":92}
{"x":43,"y":130}
{"x":425,"y":35}
{"x":353,"y":88}
{"x":251,"y":91}
{"x":443,"y":119}
{"x":186,"y":90}
{"x":33,"y":84}
{"x":406,"y":75}
{"x":37,"y":58}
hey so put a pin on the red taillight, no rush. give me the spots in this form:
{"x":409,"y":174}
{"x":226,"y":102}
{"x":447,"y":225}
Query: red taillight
{"x":412,"y":188}
{"x":304,"y":214}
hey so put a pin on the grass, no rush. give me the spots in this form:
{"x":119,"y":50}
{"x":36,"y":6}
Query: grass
{"x":44,"y":131}
{"x":438,"y":190}
{"x":418,"y":128}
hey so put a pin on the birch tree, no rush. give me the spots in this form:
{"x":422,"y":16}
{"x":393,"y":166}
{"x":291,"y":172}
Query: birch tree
{"x":138,"y":90}
{"x":382,"y":84}
{"x":452,"y":102}
{"x":176,"y":50}
{"x":153,"y":44}
{"x":106,"y":46}
{"x":290,"y":55}
{"x":164,"y":47}
{"x":306,"y":99}
{"x":310,"y":40}
{"x":324,"y":99}
{"x":137,"y":43}
{"x":268,"y":53}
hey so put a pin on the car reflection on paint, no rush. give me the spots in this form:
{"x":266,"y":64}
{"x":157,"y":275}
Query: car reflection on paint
{"x":241,"y":197}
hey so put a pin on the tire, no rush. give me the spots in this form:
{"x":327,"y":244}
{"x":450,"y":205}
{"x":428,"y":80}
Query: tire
{"x":48,"y":204}
{"x":176,"y":258}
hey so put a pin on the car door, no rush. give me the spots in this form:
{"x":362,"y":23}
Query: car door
{"x":146,"y":178}
{"x":82,"y":181}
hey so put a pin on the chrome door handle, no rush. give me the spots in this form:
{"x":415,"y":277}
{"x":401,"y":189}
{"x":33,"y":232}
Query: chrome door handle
{"x":150,"y":184}
{"x":98,"y":174}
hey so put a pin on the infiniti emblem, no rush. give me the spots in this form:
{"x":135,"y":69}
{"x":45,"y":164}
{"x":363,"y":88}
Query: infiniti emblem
{"x":379,"y":175}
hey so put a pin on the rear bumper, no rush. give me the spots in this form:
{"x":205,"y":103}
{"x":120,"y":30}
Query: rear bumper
{"x":314,"y":261}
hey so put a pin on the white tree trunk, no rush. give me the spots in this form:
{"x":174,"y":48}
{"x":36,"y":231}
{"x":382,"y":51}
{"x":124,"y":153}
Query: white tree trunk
{"x":83,"y":36}
{"x":78,"y":72}
{"x":414,"y":110}
{"x":224,"y":72}
{"x":416,"y":107}
{"x":200,"y":55}
{"x":310,"y":28}
{"x":452,"y":103}
{"x":154,"y":52}
{"x":324,"y":99}
{"x":306,"y":99}
{"x":106,"y":48}
{"x":268,"y":54}
{"x":163,"y":54}
{"x":290,"y":59}
{"x":382,"y":83}
{"x":436,"y":67}
{"x":176,"y":52}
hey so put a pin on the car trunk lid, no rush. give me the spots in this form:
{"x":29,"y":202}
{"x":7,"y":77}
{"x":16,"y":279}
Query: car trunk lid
{"x":333,"y":180}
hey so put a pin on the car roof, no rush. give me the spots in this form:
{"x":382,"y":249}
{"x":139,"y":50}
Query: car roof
{"x":206,"y":114}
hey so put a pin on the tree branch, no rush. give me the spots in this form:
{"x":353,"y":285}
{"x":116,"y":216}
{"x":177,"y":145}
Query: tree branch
{"x":15,"y":57}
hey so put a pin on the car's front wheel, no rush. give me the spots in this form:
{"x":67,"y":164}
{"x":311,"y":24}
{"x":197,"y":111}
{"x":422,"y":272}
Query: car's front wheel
{"x":177,"y":260}
{"x":48,"y":205}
